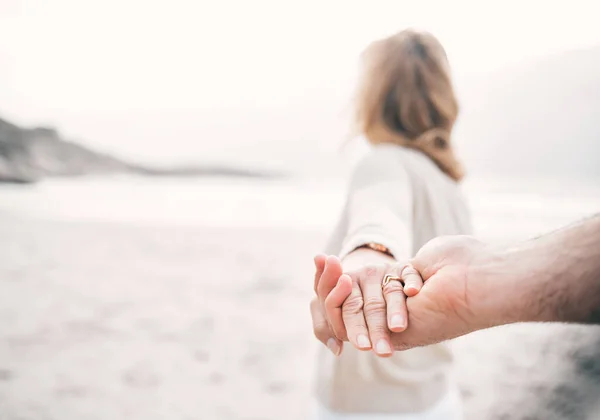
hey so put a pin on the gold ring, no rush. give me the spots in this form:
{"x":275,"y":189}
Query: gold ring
{"x":388,"y":278}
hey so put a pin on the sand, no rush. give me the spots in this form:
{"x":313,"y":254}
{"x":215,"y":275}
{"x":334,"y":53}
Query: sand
{"x":109,"y":321}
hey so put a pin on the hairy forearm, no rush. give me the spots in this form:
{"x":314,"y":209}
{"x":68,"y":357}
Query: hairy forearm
{"x":555,"y":277}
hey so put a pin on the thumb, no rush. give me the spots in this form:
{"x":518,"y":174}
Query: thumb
{"x":329,"y":278}
{"x":319,"y":267}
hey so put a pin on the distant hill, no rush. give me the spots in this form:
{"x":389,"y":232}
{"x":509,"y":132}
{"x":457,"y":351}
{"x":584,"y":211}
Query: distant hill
{"x":30,"y":154}
{"x":541,"y":118}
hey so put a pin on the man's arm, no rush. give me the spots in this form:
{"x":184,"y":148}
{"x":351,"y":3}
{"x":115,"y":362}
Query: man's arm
{"x":470,"y":286}
{"x":555,"y":277}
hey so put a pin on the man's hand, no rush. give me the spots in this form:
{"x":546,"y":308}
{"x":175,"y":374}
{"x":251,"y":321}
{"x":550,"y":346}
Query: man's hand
{"x":446,"y":307}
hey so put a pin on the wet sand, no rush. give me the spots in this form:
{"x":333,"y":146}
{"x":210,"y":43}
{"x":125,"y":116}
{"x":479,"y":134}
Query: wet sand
{"x":108,"y":321}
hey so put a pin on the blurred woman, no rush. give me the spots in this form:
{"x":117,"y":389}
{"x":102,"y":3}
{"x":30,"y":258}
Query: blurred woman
{"x":403,"y":193}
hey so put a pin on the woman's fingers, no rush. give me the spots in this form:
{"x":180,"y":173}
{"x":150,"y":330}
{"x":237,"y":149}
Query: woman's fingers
{"x":397,"y":313}
{"x":329,"y":278}
{"x":333,"y":306}
{"x":321,"y":328}
{"x":355,"y":307}
{"x":354,"y":319}
{"x":375,"y":310}
{"x":319,"y":267}
{"x":412,"y":280}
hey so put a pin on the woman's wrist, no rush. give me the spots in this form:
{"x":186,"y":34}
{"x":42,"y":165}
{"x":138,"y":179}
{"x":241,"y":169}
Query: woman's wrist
{"x":360,"y":257}
{"x":374,"y":246}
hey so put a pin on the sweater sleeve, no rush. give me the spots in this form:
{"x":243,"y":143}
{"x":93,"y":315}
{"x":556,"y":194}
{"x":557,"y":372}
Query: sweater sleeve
{"x":379,"y":205}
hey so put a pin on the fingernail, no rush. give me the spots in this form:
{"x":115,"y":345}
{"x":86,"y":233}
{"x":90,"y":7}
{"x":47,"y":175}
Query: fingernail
{"x":333,"y":346}
{"x":330,"y":259}
{"x":397,"y":321}
{"x":412,"y":290}
{"x":383,"y":347}
{"x":363,"y":341}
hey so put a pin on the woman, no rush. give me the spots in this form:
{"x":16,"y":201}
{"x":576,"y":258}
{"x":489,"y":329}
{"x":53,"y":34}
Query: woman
{"x":402,"y":194}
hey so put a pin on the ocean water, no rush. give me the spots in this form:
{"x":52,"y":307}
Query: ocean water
{"x":501,"y":208}
{"x":127,"y":297}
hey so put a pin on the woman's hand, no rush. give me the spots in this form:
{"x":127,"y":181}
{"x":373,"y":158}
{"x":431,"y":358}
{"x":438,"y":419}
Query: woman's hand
{"x":355,"y":307}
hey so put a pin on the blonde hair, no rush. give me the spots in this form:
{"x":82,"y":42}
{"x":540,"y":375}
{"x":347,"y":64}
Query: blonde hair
{"x":406,"y":97}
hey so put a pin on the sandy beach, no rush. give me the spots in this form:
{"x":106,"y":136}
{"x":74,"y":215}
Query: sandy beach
{"x":189,"y":300}
{"x":113,"y":321}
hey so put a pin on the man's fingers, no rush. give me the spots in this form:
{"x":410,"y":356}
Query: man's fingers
{"x":412,"y":280}
{"x":329,"y":278}
{"x":375,"y":310}
{"x":333,"y":306}
{"x":354,"y":320}
{"x":321,"y":328}
{"x":319,"y":267}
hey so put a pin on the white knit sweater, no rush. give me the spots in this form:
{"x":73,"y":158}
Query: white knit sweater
{"x":399,"y":198}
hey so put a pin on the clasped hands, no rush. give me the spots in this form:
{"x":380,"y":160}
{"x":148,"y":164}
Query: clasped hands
{"x":429,"y":305}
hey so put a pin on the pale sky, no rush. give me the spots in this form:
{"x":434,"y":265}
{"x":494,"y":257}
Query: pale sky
{"x":171,"y":79}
